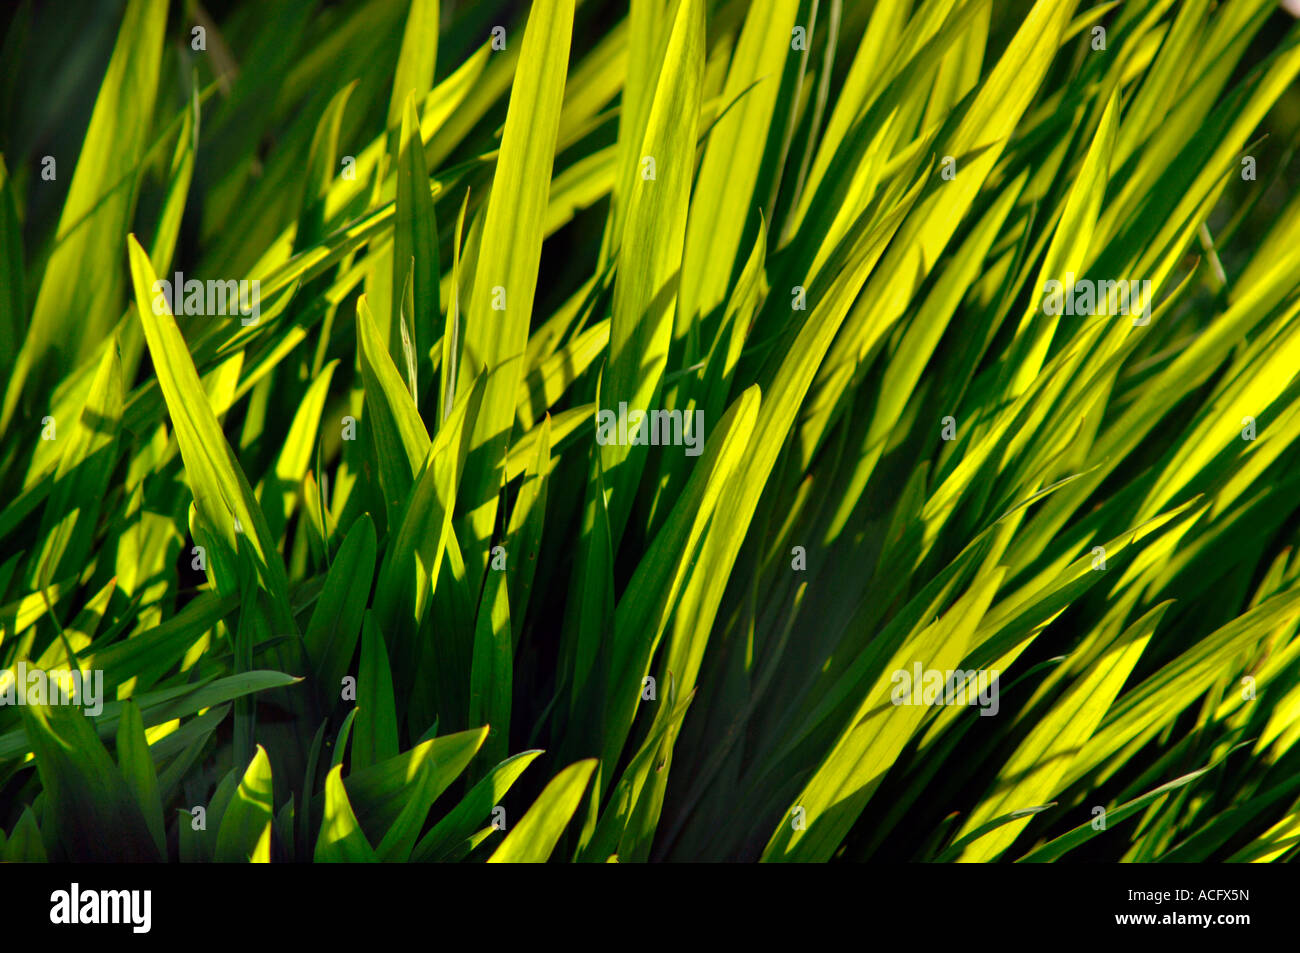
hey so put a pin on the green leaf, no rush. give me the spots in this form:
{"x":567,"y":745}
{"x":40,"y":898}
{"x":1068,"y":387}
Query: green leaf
{"x":650,"y":253}
{"x":1060,"y":846}
{"x":413,"y":77}
{"x":374,"y":737}
{"x":381,"y":792}
{"x":221,"y":492}
{"x":509,"y":253}
{"x":85,"y":794}
{"x":331,"y":636}
{"x":245,"y":831}
{"x":136,"y":764}
{"x":493,"y":667}
{"x":321,"y":163}
{"x":399,"y":438}
{"x":415,"y":239}
{"x":341,"y":839}
{"x":163,"y":706}
{"x":13,"y":306}
{"x":538,"y":831}
{"x":724,"y":190}
{"x":525,"y":530}
{"x":463,"y":820}
{"x":71,"y":318}
{"x":89,"y":456}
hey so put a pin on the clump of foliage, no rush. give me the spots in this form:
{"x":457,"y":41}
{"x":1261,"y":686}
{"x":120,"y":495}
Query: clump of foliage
{"x":364,"y":581}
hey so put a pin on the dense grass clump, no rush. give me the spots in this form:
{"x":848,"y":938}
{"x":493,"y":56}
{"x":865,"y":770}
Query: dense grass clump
{"x":692,"y":429}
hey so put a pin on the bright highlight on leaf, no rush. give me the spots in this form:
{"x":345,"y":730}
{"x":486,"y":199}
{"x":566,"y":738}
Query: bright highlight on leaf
{"x":674,"y":430}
